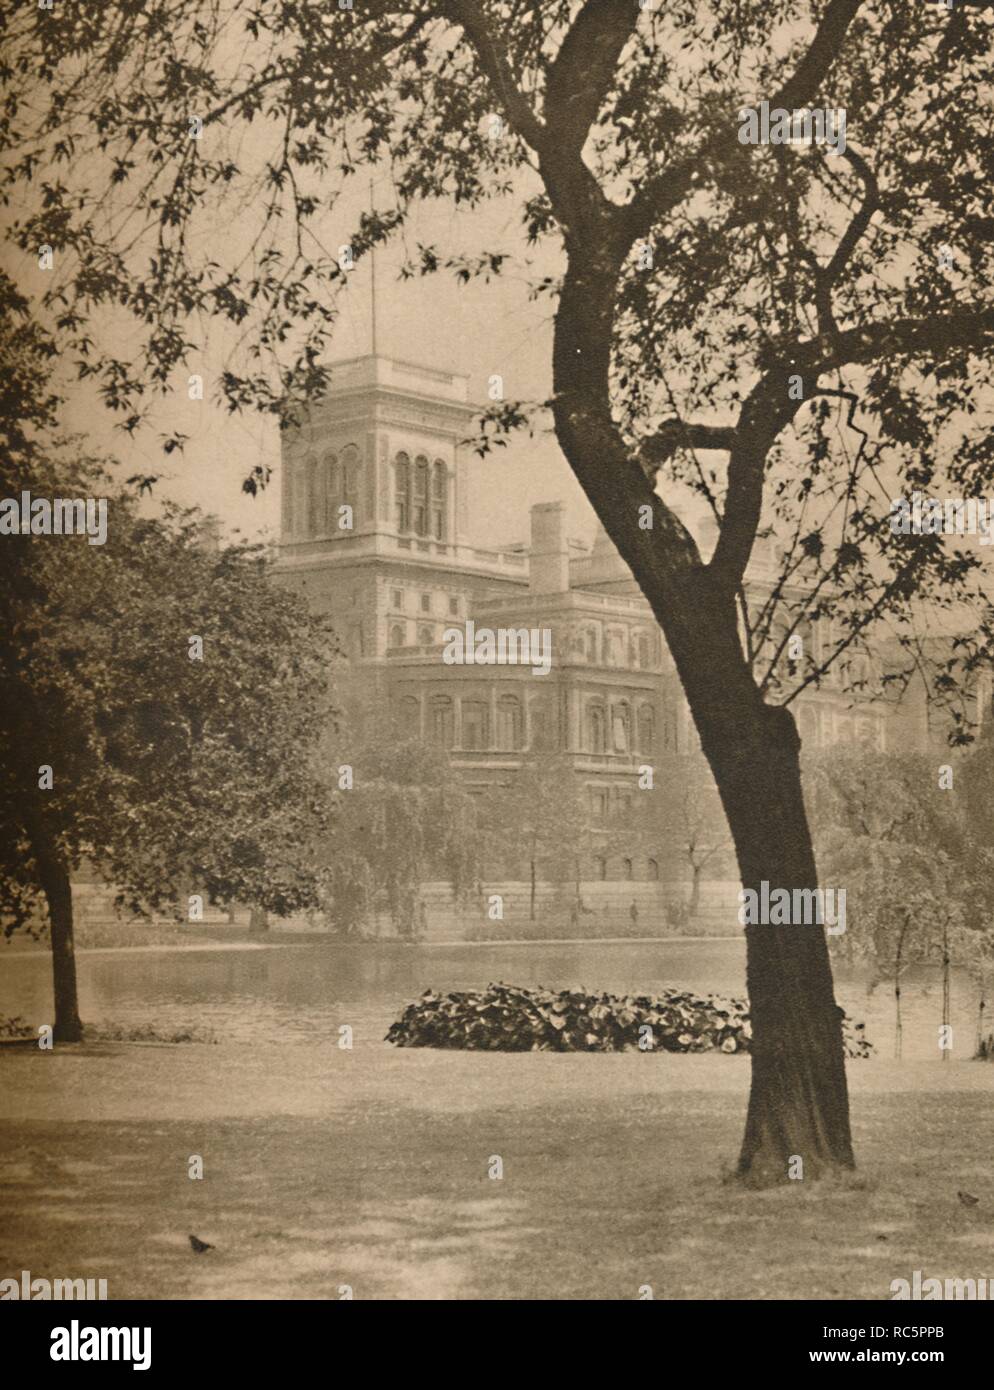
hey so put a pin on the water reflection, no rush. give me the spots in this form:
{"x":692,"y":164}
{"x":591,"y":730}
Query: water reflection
{"x":296,"y":992}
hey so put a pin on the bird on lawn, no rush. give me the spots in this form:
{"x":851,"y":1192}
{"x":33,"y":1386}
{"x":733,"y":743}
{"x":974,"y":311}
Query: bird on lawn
{"x":199,"y":1246}
{"x":968,"y":1199}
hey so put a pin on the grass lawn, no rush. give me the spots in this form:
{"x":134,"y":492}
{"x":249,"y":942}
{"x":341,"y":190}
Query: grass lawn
{"x":369,"y":1168}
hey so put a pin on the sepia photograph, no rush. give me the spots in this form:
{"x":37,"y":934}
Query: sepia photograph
{"x":496,"y":666}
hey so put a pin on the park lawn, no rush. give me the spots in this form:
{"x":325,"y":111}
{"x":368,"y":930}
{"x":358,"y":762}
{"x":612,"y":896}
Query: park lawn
{"x":370,"y":1169}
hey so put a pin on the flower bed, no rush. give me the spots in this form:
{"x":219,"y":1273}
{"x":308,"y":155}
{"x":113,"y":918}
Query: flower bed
{"x":510,"y":1018}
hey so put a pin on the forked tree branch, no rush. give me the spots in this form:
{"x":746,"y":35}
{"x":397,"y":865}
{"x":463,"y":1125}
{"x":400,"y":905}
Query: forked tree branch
{"x":585,"y":67}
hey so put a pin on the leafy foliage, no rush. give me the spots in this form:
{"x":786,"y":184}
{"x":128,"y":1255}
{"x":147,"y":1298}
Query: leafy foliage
{"x":166,"y":771}
{"x":511,"y":1018}
{"x":765,"y":259}
{"x":407,"y":820}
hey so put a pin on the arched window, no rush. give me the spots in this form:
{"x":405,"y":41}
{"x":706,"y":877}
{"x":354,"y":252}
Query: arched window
{"x":509,"y":723}
{"x":331,"y":488}
{"x":627,"y":869}
{"x":539,"y":724}
{"x":441,"y":720}
{"x":301,"y":497}
{"x":621,"y":726}
{"x":426,"y":637}
{"x":647,"y":729}
{"x":317,"y":498}
{"x":808,"y":719}
{"x":402,"y":491}
{"x":288,"y":490}
{"x":866,"y":731}
{"x":397,"y":635}
{"x":350,"y":478}
{"x":475,"y":716}
{"x":858,"y":673}
{"x":409,"y":716}
{"x":671,"y":742}
{"x":421,"y":496}
{"x":438,"y":499}
{"x":654,"y":870}
{"x":596,"y":729}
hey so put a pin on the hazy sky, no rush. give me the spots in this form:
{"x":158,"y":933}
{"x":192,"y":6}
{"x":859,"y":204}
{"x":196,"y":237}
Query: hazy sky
{"x":476,"y":329}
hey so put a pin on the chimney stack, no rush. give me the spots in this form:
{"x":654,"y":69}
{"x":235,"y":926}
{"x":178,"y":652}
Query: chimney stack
{"x":548,"y":571}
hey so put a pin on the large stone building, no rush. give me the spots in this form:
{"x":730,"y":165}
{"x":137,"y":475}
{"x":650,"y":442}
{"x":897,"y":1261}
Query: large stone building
{"x":376,"y":532}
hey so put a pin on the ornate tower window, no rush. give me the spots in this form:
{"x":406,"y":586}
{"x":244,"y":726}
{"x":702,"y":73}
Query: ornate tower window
{"x":596,"y":729}
{"x":646,"y":729}
{"x":331,"y":494}
{"x":350,"y":478}
{"x":402,"y":491}
{"x":421,"y":496}
{"x":621,"y":726}
{"x":438,"y":481}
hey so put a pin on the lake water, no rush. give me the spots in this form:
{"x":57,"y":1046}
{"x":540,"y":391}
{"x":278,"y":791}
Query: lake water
{"x":298,"y":991}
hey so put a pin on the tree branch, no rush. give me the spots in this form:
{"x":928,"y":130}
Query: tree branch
{"x":663,"y":192}
{"x":860,"y":222}
{"x":803,"y":84}
{"x":673,"y":434}
{"x":970,"y":328}
{"x":497,"y":68}
{"x":581,"y":76}
{"x":764,"y":413}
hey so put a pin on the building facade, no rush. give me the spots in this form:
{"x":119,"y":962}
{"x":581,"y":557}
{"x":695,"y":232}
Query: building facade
{"x":375,"y":532}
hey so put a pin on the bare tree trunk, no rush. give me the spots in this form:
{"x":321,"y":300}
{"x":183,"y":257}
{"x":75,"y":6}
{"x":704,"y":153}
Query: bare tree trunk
{"x":898,"y":967}
{"x":695,"y":890}
{"x":54,"y":878}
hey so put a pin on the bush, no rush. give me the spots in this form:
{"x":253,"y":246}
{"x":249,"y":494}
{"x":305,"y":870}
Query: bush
{"x":15,"y":1027}
{"x":507,"y":1018}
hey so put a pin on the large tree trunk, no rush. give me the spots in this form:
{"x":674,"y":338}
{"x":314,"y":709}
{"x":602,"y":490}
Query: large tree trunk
{"x":798,"y":1104}
{"x":54,"y":878}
